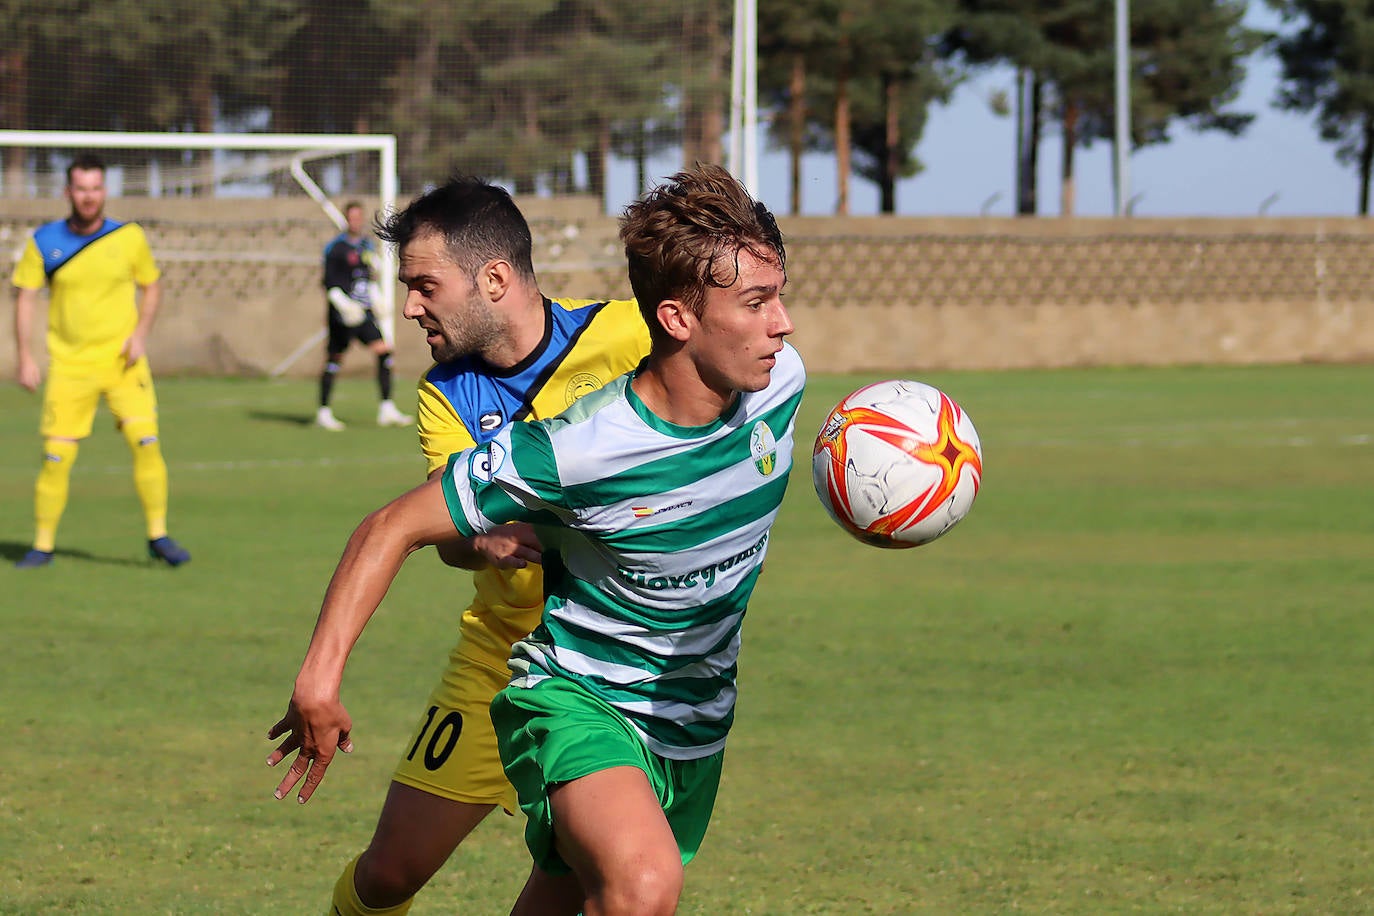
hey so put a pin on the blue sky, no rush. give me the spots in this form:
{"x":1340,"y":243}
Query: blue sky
{"x":1279,"y":163}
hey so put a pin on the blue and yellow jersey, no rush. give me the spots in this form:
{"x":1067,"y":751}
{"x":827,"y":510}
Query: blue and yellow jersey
{"x":463,"y":403}
{"x":92,"y":307}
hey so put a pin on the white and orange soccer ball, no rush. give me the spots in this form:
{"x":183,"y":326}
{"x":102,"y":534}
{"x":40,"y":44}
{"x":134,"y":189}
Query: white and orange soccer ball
{"x":897,"y":463}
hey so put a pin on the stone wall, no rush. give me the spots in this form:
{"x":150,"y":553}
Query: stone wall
{"x":896,"y":294}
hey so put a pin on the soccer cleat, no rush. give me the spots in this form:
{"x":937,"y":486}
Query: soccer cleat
{"x":34,"y":559}
{"x":325,"y":419}
{"x":168,"y":551}
{"x":389,"y":415}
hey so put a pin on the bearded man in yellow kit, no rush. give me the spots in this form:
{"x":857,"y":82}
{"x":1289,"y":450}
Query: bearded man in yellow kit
{"x":97,"y":338}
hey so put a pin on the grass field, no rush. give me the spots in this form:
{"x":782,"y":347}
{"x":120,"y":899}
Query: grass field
{"x":1137,"y":679}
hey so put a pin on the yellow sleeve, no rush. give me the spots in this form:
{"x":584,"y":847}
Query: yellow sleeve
{"x":441,"y":431}
{"x":145,"y":268}
{"x":28,"y":270}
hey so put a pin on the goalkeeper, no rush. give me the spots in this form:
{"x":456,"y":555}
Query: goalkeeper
{"x":351,"y":290}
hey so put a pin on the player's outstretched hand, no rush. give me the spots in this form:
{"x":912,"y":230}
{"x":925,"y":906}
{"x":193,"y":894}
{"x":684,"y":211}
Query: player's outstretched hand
{"x":315,"y":731}
{"x":511,"y":546}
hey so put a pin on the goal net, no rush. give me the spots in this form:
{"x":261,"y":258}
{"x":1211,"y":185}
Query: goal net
{"x":238,"y":223}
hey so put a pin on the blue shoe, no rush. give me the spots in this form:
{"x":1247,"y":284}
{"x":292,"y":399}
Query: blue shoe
{"x":168,"y":551}
{"x":34,"y":559}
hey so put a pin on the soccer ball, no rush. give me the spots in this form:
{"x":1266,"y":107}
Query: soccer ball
{"x":897,"y":463}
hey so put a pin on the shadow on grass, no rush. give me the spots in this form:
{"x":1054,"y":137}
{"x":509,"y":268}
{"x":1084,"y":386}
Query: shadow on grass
{"x":10,"y":551}
{"x":276,"y":416}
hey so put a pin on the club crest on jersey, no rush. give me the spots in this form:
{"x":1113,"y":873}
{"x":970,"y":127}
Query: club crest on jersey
{"x":486,"y":461}
{"x":764,"y":447}
{"x":580,"y":384}
{"x":490,"y":421}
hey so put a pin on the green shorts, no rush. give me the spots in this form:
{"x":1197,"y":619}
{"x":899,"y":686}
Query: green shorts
{"x":556,"y":731}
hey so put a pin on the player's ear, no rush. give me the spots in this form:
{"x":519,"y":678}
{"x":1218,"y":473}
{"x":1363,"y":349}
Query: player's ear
{"x":495,"y":278}
{"x":675,"y":318}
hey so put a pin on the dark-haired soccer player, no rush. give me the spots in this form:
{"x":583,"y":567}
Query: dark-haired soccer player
{"x":97,"y":341}
{"x":656,"y":495}
{"x":505,"y":353}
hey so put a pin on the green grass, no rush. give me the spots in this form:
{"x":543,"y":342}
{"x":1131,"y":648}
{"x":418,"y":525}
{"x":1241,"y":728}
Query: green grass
{"x":1135,"y":680}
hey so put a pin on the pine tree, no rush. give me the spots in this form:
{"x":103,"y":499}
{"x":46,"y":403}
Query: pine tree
{"x":1328,"y":66}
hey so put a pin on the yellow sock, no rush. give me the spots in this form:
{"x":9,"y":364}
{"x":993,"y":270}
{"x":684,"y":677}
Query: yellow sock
{"x":346,"y":902}
{"x":50,"y":492}
{"x":150,"y":474}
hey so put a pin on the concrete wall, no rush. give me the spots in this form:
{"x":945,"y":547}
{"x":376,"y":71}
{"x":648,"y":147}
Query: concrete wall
{"x":876,"y":293}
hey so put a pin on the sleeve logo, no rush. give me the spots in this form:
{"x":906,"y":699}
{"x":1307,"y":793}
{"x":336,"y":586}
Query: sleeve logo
{"x":486,"y":461}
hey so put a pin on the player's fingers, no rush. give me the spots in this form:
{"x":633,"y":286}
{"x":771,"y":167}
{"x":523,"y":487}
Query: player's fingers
{"x":293,"y":776}
{"x":314,"y":777}
{"x":282,"y":727}
{"x":345,"y":742}
{"x":286,"y":747}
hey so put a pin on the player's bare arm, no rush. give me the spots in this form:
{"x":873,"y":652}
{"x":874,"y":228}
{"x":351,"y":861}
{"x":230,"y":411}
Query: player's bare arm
{"x":136,"y":347}
{"x":316,"y":724}
{"x":26,"y":370}
{"x":512,"y":546}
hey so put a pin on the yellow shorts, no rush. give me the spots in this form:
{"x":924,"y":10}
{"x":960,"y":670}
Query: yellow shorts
{"x":71,"y":396}
{"x":452,"y":752}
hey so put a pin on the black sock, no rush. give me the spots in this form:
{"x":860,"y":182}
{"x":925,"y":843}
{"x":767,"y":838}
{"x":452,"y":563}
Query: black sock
{"x":327,"y":382}
{"x":384,"y":375}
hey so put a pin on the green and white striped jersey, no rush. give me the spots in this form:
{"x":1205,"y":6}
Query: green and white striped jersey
{"x":656,"y":535}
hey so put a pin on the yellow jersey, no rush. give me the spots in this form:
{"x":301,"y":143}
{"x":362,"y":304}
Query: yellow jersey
{"x":466,"y":402}
{"x":92,"y":306}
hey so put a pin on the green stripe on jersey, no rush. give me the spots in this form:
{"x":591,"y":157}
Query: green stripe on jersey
{"x":694,"y":530}
{"x":679,"y":469}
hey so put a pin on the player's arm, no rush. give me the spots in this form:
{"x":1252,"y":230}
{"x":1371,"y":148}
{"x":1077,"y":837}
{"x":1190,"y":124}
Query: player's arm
{"x":316,"y":723}
{"x":25,"y":366}
{"x":28,"y":279}
{"x":512,"y":546}
{"x":136,"y":347}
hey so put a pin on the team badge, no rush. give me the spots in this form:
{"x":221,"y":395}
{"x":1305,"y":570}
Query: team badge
{"x":764,"y":447}
{"x":485,"y":462}
{"x":580,"y":384}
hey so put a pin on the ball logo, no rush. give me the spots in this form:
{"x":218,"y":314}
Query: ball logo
{"x":490,"y":421}
{"x":486,"y":461}
{"x":764,"y":447}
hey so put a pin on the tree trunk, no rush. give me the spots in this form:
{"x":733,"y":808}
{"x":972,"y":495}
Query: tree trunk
{"x":842,"y":142}
{"x":1071,"y":111}
{"x":1366,"y":159}
{"x":1028,"y":202}
{"x":796,"y":133}
{"x":703,"y":115}
{"x":596,"y":161}
{"x":713,"y":105}
{"x":202,"y":96}
{"x":419,"y":95}
{"x":892,"y":92}
{"x":14,"y":114}
{"x":641,"y":160}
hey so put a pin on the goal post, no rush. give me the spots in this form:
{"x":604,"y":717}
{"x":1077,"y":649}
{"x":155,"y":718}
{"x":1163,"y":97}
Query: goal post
{"x":219,"y":166}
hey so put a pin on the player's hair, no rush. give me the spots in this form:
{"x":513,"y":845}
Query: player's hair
{"x":86,"y":162}
{"x":686,"y":235}
{"x":479,"y":222}
{"x":353,"y":205}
